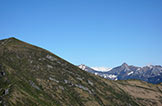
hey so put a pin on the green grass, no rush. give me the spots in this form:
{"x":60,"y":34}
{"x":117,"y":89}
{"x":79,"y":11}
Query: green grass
{"x":19,"y":72}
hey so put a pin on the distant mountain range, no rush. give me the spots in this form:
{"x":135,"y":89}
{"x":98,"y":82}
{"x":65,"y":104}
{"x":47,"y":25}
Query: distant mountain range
{"x":151,"y":73}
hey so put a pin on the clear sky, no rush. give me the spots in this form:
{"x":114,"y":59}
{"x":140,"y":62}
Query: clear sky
{"x":92,"y":32}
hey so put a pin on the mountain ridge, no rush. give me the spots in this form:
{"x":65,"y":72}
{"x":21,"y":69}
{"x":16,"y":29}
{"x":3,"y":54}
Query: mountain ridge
{"x":30,"y":75}
{"x":151,"y":73}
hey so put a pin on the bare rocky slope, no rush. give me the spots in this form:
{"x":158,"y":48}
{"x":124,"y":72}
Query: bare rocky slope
{"x":31,"y":76}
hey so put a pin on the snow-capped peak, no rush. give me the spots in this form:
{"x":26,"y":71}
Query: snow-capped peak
{"x":101,"y":69}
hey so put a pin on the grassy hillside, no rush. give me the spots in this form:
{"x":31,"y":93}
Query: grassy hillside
{"x":32,"y":76}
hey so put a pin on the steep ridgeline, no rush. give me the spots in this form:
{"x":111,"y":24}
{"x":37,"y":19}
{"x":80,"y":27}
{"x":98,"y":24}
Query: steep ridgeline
{"x":32,"y":76}
{"x":151,"y":74}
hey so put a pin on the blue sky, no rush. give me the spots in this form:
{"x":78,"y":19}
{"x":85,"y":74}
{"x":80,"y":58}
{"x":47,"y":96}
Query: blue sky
{"x":92,"y":32}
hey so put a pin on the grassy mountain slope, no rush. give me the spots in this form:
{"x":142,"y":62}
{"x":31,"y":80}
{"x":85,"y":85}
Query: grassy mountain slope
{"x":31,"y":76}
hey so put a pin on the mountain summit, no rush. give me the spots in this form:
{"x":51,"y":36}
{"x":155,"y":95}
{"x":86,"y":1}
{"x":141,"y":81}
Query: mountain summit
{"x":125,"y":65}
{"x":32,"y":76}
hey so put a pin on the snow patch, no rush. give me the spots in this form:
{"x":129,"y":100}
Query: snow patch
{"x":102,"y":69}
{"x":112,"y":76}
{"x":116,"y":79}
{"x":82,"y":66}
{"x":130,"y":73}
{"x":96,"y":73}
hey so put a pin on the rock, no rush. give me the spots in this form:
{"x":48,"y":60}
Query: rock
{"x":52,"y":79}
{"x":6,"y":92}
{"x":49,"y":66}
{"x":84,"y":88}
{"x":66,"y":81}
{"x":34,"y":85}
{"x":2,"y":74}
{"x":79,"y":78}
{"x":89,"y":82}
{"x":51,"y":58}
{"x":61,"y":87}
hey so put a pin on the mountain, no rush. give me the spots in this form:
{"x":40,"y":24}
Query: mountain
{"x":151,"y":73}
{"x":97,"y":72}
{"x":32,"y":76}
